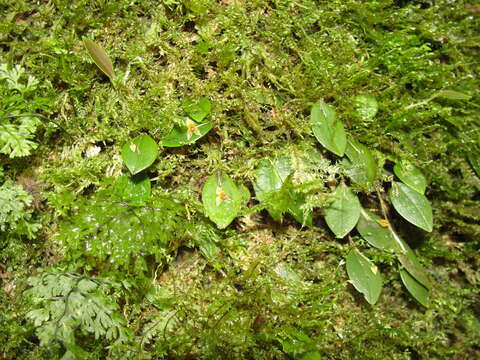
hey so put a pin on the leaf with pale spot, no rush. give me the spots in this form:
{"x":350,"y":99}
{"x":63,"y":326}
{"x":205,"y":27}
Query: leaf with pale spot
{"x":139,"y":153}
{"x":364,"y":276}
{"x":221,"y":199}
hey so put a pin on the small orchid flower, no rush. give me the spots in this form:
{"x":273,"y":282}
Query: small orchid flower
{"x":221,"y":196}
{"x":192,"y":128}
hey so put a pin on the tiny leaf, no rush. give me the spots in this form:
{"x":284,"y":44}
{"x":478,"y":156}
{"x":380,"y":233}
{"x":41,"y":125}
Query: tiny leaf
{"x":343,"y":212}
{"x":362,"y":167}
{"x":367,"y":106}
{"x":411,"y":176}
{"x":99,"y":57}
{"x":412,"y":206}
{"x":364,"y":275}
{"x":376,"y":231}
{"x":222,"y":199}
{"x":417,"y":290}
{"x":328,"y":129}
{"x":139,"y":153}
{"x":186,"y":135}
{"x":197,"y":110}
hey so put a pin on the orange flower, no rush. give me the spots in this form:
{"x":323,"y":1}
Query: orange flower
{"x":192,"y":129}
{"x":383,"y":222}
{"x":221,"y":196}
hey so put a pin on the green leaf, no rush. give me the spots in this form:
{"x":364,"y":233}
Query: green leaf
{"x":197,"y":110}
{"x":410,"y":262}
{"x":134,"y":190}
{"x":362,"y":167}
{"x":376,"y":231}
{"x":328,"y":129}
{"x":367,"y":106}
{"x":417,"y":290}
{"x":412,"y":206}
{"x":99,"y":57}
{"x":295,"y":208}
{"x":16,"y":140}
{"x":222,"y":199}
{"x":38,"y":316}
{"x":208,"y":248}
{"x":474,"y":160}
{"x":139,"y":153}
{"x":245,"y":194}
{"x":364,"y":276}
{"x":411,"y":176}
{"x":274,"y":187}
{"x":343,"y":212}
{"x":451,"y":94}
{"x":271,"y":175}
{"x":187,"y":134}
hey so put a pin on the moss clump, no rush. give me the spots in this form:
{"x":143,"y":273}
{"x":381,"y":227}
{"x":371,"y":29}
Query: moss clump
{"x":259,"y":289}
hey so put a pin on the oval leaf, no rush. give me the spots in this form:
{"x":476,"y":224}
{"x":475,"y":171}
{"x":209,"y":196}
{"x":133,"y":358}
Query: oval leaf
{"x":187,"y":134}
{"x":366,"y":106}
{"x":376,"y":231}
{"x":364,"y":276}
{"x":343,"y":212}
{"x":328,"y":129}
{"x":197,"y":110}
{"x":362,"y":167}
{"x":99,"y":57}
{"x":412,"y":206}
{"x":271,"y":174}
{"x":418,"y":291}
{"x":139,"y":153}
{"x":410,"y":262}
{"x":411,"y":176}
{"x":222,"y":199}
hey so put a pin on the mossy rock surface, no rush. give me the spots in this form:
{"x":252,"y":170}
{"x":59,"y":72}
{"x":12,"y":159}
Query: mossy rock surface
{"x":402,"y":77}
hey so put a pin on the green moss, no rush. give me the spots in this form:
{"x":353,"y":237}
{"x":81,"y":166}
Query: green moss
{"x":256,"y":288}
